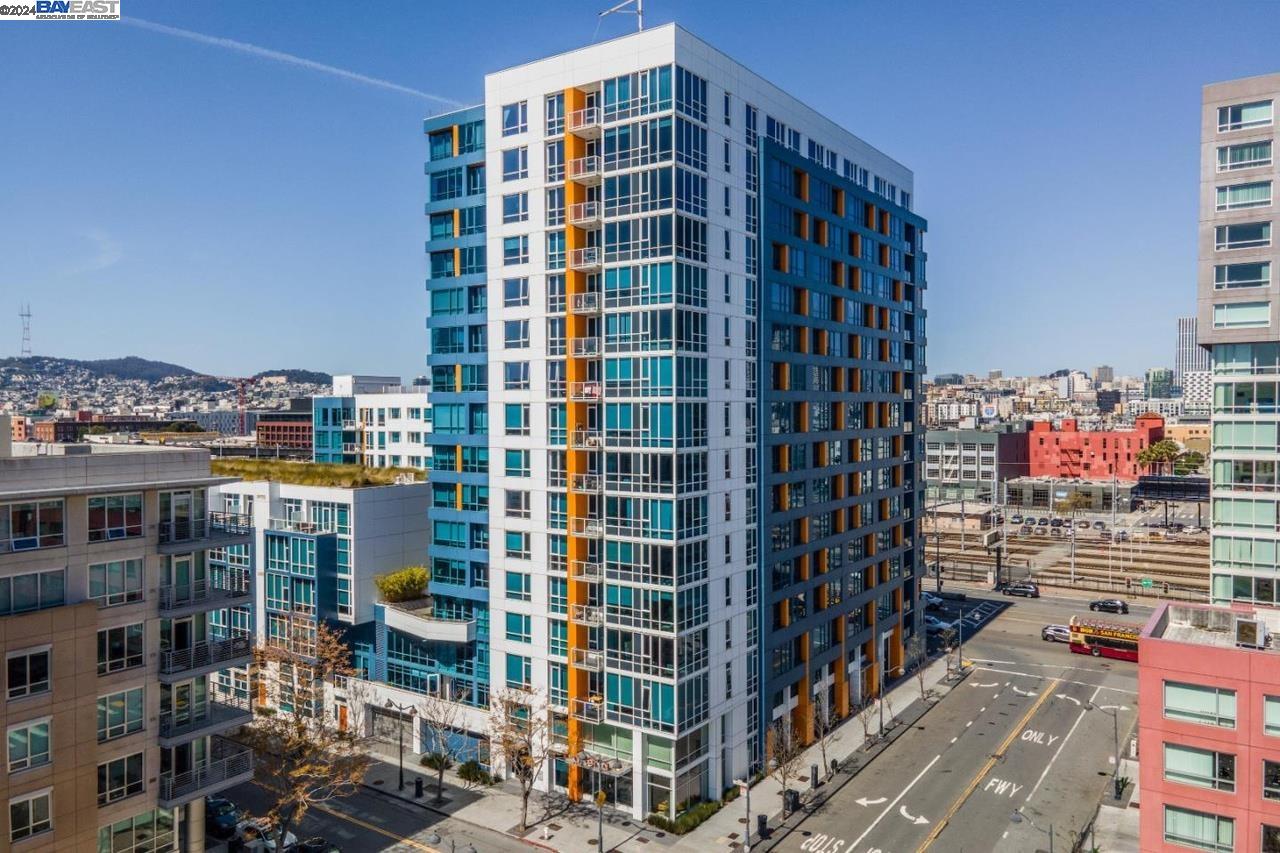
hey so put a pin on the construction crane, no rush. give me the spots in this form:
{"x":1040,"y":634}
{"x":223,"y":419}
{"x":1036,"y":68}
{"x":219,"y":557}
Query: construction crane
{"x":241,"y":384}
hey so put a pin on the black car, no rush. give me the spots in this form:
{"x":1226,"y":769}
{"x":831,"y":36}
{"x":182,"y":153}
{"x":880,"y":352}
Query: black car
{"x":1057,"y":522}
{"x":1026,"y":590}
{"x":1043,"y":522}
{"x":220,"y":817}
{"x":1109,"y":605}
{"x":315,"y":845}
{"x":1099,"y":525}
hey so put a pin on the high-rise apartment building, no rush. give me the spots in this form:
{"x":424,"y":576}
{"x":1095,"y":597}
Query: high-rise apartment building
{"x":1238,"y":321}
{"x":109,"y":629}
{"x":1190,"y":356}
{"x":372,"y":420}
{"x":1103,"y":375}
{"x":1158,"y":384}
{"x":677,"y":333}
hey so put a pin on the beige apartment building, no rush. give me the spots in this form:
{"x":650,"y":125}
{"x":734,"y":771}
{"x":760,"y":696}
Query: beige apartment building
{"x":110,"y":632}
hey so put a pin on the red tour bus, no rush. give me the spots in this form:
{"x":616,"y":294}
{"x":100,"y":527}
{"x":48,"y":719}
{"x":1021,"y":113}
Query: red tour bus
{"x":1104,"y":639}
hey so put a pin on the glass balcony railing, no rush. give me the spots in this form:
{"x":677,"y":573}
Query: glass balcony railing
{"x":178,"y":531}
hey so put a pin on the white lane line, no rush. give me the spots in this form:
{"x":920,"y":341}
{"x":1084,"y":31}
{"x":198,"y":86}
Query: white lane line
{"x":891,"y":806}
{"x":995,"y":695}
{"x":970,"y":723}
{"x":1068,"y":698}
{"x":954,"y":739}
{"x":1024,"y":692}
{"x":982,"y":710}
{"x":1066,"y":681}
{"x":1070,"y":731}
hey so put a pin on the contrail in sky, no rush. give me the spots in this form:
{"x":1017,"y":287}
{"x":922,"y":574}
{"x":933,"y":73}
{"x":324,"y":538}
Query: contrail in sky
{"x":287,"y":58}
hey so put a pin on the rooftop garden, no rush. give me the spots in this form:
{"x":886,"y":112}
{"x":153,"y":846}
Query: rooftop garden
{"x":310,"y":473}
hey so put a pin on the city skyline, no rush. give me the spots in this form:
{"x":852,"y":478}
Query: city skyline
{"x":319,"y":224}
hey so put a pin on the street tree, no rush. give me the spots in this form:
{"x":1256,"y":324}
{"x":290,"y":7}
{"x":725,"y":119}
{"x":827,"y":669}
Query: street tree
{"x":520,"y":733}
{"x":1160,"y":455}
{"x":866,"y":714}
{"x":1188,"y":463}
{"x":305,"y":754}
{"x":917,"y":653}
{"x":441,"y":717}
{"x":825,"y":721}
{"x":783,"y":750}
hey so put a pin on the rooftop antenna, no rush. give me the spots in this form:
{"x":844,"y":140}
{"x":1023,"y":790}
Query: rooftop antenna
{"x":25,"y":313}
{"x":622,"y":9}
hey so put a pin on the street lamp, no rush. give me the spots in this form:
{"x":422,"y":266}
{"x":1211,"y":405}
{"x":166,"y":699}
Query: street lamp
{"x":1019,"y":817}
{"x":745,"y":786}
{"x":412,"y":712}
{"x":1115,"y":731}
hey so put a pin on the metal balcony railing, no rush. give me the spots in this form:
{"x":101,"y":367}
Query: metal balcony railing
{"x":586,"y":303}
{"x":586,"y":347}
{"x":588,"y":710}
{"x":587,"y":570}
{"x":586,"y":614}
{"x":204,"y":654}
{"x":223,"y":713}
{"x":585,"y":482}
{"x":585,"y":169}
{"x":215,"y":593}
{"x":588,"y":659}
{"x":590,"y":527}
{"x":585,"y":391}
{"x":191,"y":529}
{"x":585,"y":213}
{"x":587,"y":258}
{"x":228,"y":762}
{"x":587,"y":439}
{"x":585,"y":121}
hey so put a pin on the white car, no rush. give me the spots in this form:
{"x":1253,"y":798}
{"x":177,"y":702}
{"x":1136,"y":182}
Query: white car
{"x":933,"y":624}
{"x":255,"y":837}
{"x":930,"y":600}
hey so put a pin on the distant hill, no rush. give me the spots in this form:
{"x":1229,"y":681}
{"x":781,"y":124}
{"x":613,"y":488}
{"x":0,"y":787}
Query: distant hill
{"x":129,"y":367}
{"x":294,"y":375}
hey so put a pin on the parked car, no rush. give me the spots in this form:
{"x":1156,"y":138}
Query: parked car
{"x":1055,"y":531}
{"x":1015,"y":519}
{"x":1177,"y":527}
{"x":1057,"y":522}
{"x":1055,"y":633}
{"x":933,"y":624}
{"x":220,"y":817}
{"x":1109,"y":605}
{"x":1030,"y":519}
{"x":1042,"y":531}
{"x":316,"y":845}
{"x":1026,"y":590}
{"x":1193,"y":531}
{"x":249,"y":832}
{"x":1025,"y":530}
{"x":931,"y":601}
{"x":1044,"y":522}
{"x":999,"y":519}
{"x":1082,"y":524}
{"x":1099,"y":525}
{"x":1122,"y":536}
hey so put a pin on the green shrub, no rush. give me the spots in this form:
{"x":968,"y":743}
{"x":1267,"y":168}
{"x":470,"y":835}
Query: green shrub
{"x":403,"y":585}
{"x":435,"y":760}
{"x":472,"y":773}
{"x":694,"y":817}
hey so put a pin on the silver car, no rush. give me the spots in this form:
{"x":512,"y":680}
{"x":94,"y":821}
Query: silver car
{"x":1055,"y":634}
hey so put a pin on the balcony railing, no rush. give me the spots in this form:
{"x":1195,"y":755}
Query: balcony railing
{"x":585,"y":169}
{"x":585,"y":122}
{"x":228,"y":764}
{"x":592,"y":528}
{"x":585,"y":482}
{"x":588,"y":659}
{"x":585,"y":391}
{"x":586,"y":614}
{"x":586,"y":347}
{"x":298,"y":525}
{"x":201,"y":655}
{"x":205,"y":591}
{"x":588,"y":710}
{"x":192,"y":529}
{"x":214,"y":716}
{"x":587,"y":439}
{"x":586,"y":303}
{"x":587,"y":570}
{"x":585,"y":213}
{"x":588,"y":258}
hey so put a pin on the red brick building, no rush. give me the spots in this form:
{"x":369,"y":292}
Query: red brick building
{"x":1068,"y":452}
{"x":291,"y":433}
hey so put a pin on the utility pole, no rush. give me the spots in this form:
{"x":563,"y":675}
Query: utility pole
{"x":1112,"y":546}
{"x":963,"y":520}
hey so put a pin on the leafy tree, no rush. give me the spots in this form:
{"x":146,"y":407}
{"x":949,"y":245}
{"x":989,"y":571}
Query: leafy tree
{"x":404,"y":584}
{"x":1188,"y":463}
{"x":1160,"y":455}
{"x":520,"y":732}
{"x":46,"y":400}
{"x":304,"y":754}
{"x":1072,"y":504}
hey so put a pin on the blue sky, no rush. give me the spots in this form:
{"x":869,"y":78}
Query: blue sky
{"x":190,"y":202}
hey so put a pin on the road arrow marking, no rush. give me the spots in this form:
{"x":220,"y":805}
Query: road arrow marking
{"x":1114,"y":707}
{"x":1069,"y":698}
{"x":902,"y":810}
{"x":888,"y":808}
{"x":863,"y":801}
{"x":1023,"y":692}
{"x":992,"y":684}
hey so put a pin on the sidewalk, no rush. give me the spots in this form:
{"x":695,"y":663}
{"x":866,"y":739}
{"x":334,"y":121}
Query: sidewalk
{"x":1116,"y":826}
{"x":559,"y":825}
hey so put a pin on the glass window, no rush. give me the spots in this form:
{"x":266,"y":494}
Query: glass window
{"x":1198,"y":830}
{"x":27,"y":672}
{"x":441,"y":143}
{"x":1232,"y":276}
{"x":517,"y":463}
{"x":30,"y":815}
{"x":515,"y":334}
{"x":32,"y":524}
{"x":516,"y":418}
{"x":1243,"y":235}
{"x":515,"y":292}
{"x":149,"y":832}
{"x":1200,"y":767}
{"x":1194,"y":703}
{"x":28,"y":745}
{"x":32,"y":591}
{"x":1242,"y":315}
{"x":519,"y":672}
{"x":1271,"y":780}
{"x":1241,"y":196}
{"x":1271,"y":715}
{"x":119,"y":778}
{"x":515,"y":207}
{"x":1245,"y":156}
{"x":1242,"y":116}
{"x":120,"y":714}
{"x":115,"y":517}
{"x":515,"y":118}
{"x":120,"y":648}
{"x":515,"y":164}
{"x":519,"y":628}
{"x":515,"y":250}
{"x":117,"y":582}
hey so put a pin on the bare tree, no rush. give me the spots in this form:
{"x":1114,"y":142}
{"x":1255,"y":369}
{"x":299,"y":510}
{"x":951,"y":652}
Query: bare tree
{"x":825,"y":721}
{"x":916,"y":653}
{"x":866,"y":714}
{"x":304,"y":753}
{"x":888,"y":707}
{"x":442,"y":717}
{"x":520,"y":732}
{"x":783,"y":753}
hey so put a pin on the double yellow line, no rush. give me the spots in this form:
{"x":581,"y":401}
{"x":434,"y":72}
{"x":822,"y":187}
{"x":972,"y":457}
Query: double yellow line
{"x":986,"y":768}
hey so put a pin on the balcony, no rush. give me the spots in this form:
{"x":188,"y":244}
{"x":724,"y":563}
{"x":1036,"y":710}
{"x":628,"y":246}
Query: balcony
{"x":587,"y":570}
{"x":592,"y":659}
{"x":585,"y":482}
{"x":586,"y":214}
{"x":350,"y":447}
{"x":592,"y":528}
{"x":587,"y":439}
{"x":586,"y":259}
{"x":204,"y":658}
{"x":216,"y":717}
{"x":586,"y":614}
{"x":348,"y":424}
{"x":205,"y":594}
{"x":585,"y":392}
{"x":229,"y":764}
{"x":588,"y":710}
{"x":418,"y":618}
{"x":585,"y":122}
{"x":586,"y":347}
{"x":585,"y":170}
{"x":585,"y":303}
{"x":216,"y":530}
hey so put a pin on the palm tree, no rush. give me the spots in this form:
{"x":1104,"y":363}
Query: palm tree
{"x":1161,"y":454}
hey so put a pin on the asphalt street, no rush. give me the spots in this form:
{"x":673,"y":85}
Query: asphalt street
{"x":1031,"y":729}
